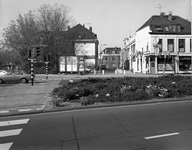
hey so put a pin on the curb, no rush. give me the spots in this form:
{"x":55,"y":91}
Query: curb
{"x":18,"y":112}
{"x":26,"y":111}
{"x":155,"y":101}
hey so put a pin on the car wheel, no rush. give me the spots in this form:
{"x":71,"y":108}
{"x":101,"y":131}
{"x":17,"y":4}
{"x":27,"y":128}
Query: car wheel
{"x":1,"y":81}
{"x":23,"y":80}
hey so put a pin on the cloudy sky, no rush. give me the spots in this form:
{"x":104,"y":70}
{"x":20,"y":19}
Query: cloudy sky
{"x":111,"y":20}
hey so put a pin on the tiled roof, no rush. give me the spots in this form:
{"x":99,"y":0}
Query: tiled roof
{"x":162,"y":20}
{"x":80,"y":32}
{"x":65,"y":39}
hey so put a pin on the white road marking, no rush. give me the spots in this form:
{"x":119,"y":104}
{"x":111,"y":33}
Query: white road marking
{"x":4,"y":123}
{"x":13,"y":122}
{"x":39,"y":109}
{"x":10,"y":132}
{"x":163,"y":135}
{"x":23,"y":110}
{"x":5,"y":146}
{"x":4,"y":111}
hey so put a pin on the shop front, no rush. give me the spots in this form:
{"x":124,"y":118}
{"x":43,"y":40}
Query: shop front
{"x":184,"y":64}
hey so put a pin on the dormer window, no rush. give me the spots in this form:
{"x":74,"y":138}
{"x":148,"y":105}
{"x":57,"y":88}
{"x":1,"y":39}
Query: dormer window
{"x":174,"y":28}
{"x":166,"y":28}
{"x":178,"y":28}
{"x":158,"y":28}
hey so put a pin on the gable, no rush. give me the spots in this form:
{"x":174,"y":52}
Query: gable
{"x":80,"y":32}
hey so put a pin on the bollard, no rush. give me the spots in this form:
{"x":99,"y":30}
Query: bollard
{"x":124,"y":71}
{"x":94,"y":71}
{"x":103,"y":72}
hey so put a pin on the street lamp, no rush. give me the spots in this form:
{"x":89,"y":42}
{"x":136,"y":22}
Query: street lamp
{"x":100,"y":58}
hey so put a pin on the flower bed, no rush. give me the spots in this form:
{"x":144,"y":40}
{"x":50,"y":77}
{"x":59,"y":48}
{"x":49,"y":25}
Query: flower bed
{"x":97,"y":90}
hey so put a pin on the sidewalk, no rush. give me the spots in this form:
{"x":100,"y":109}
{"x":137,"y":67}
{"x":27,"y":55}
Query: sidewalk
{"x":92,"y":75}
{"x":25,"y":98}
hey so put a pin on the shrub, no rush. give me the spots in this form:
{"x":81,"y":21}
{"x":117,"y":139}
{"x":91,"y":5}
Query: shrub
{"x":93,"y":90}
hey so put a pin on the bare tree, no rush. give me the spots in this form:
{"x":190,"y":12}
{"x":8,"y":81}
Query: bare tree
{"x":45,"y":25}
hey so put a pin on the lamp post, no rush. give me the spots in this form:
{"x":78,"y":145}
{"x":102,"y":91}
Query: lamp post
{"x":100,"y":58}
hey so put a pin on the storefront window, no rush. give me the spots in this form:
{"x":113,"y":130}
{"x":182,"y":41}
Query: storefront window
{"x":167,"y":61}
{"x":170,"y":45}
{"x":181,"y":45}
{"x":184,"y":63}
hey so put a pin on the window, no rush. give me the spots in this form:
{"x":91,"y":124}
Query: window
{"x":158,"y":28}
{"x":178,"y":28}
{"x":174,"y":28}
{"x":181,"y":45}
{"x":166,"y":28}
{"x":147,"y":47}
{"x":184,"y":63}
{"x":170,"y":45}
{"x":160,"y":45}
{"x":113,"y":52}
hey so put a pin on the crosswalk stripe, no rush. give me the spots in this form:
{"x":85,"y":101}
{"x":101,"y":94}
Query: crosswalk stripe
{"x":5,"y":146}
{"x":10,"y":132}
{"x":4,"y":111}
{"x":13,"y":122}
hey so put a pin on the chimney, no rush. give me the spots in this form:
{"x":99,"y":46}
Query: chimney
{"x":162,"y":14}
{"x":90,"y":28}
{"x":170,"y":17}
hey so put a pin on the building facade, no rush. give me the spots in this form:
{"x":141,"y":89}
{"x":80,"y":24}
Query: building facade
{"x":127,"y":54}
{"x":110,"y":58}
{"x":82,"y":43}
{"x":163,"y":45}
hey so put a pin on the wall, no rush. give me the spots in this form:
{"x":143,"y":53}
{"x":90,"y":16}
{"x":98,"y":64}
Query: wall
{"x":143,"y":38}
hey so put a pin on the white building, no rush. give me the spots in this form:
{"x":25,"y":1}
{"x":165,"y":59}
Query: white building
{"x":163,"y":45}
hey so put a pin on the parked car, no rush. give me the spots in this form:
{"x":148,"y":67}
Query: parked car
{"x":18,"y":75}
{"x":2,"y":72}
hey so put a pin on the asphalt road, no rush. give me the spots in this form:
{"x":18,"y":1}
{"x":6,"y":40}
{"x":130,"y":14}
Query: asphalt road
{"x":166,"y":126}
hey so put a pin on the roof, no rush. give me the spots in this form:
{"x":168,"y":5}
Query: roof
{"x":80,"y":32}
{"x":163,"y":20}
{"x":65,"y":39}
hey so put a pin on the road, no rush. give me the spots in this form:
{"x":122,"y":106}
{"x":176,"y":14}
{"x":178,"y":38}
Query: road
{"x":166,"y":126}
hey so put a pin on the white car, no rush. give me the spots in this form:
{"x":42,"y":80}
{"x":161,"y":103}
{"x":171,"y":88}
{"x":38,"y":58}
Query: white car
{"x":18,"y":75}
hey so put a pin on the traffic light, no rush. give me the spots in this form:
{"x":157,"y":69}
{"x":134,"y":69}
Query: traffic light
{"x":47,"y":58}
{"x":32,"y":53}
{"x":29,"y":53}
{"x":38,"y":51}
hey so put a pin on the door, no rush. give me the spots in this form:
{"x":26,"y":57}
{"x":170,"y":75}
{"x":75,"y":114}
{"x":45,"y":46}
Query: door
{"x":152,"y":67}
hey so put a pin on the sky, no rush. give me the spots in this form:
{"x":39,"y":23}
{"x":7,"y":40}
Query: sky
{"x":111,"y":20}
